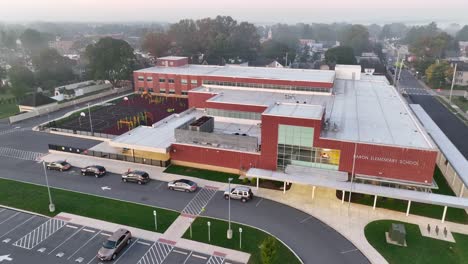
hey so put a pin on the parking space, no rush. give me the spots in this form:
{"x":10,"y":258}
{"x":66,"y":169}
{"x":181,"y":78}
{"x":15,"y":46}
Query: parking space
{"x":45,"y":239}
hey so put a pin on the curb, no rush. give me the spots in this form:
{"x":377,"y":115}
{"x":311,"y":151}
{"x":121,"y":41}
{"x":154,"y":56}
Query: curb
{"x":24,"y":211}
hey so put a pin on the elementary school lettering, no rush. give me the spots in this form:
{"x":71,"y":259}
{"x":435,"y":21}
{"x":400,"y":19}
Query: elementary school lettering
{"x":388,"y":160}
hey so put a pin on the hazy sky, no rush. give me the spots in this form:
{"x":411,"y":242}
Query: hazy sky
{"x":290,"y":11}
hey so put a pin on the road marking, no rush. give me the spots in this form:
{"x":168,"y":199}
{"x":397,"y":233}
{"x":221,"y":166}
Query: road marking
{"x":70,"y":226}
{"x":65,"y":240}
{"x":199,"y":202}
{"x":259,"y":202}
{"x":40,"y":233}
{"x":9,"y":218}
{"x":156,"y":254}
{"x":60,"y":254}
{"x":188,"y":257}
{"x":17,"y":226}
{"x":89,"y":230}
{"x":6,"y":240}
{"x":20,"y":154}
{"x":144,"y":243}
{"x":79,"y":260}
{"x":159,"y":185}
{"x":5,"y":257}
{"x":105,"y":234}
{"x":305,"y":219}
{"x":128,"y":248}
{"x":106,"y":188}
{"x":180,"y":252}
{"x":347,"y":251}
{"x":198,"y":256}
{"x":84,"y":244}
{"x":215,"y":260}
{"x":42,"y":250}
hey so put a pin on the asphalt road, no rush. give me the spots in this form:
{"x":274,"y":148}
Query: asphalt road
{"x":27,"y":238}
{"x":314,"y":241}
{"x":453,"y":127}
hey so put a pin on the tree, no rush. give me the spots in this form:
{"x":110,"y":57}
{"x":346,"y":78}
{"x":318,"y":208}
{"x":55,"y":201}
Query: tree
{"x":269,"y":249}
{"x":357,"y":37}
{"x":417,"y":33}
{"x":184,"y":33}
{"x":393,"y":30}
{"x":111,"y":59}
{"x":438,"y":73}
{"x":8,"y":39}
{"x":244,"y":41}
{"x":21,"y":79}
{"x":340,"y":55}
{"x":52,"y":69}
{"x":157,"y":44}
{"x":462,"y":35}
{"x":433,"y":46}
{"x":277,"y":51}
{"x":33,"y":41}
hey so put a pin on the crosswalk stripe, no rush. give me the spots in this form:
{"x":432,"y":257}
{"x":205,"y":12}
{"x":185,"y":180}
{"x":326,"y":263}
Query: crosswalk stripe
{"x":20,"y":154}
{"x":39,"y":234}
{"x":156,"y":254}
{"x":196,"y":205}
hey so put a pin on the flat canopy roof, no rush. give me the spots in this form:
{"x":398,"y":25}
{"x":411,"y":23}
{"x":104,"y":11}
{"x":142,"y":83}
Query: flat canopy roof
{"x":319,"y":179}
{"x":453,"y":155}
{"x":372,"y":111}
{"x":285,"y":74}
{"x":296,"y":110}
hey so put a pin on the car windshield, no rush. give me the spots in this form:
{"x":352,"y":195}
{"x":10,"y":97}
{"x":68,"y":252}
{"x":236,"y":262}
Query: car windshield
{"x":63,"y":163}
{"x":109,"y":244}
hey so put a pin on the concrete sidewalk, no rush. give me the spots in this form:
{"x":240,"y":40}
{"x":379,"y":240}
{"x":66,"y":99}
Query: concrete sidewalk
{"x":173,"y":237}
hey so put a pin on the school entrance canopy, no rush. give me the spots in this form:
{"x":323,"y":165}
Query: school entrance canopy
{"x":334,"y":180}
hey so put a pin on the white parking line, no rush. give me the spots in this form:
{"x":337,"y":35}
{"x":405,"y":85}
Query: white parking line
{"x":198,"y":256}
{"x":89,"y":230}
{"x":70,"y":226}
{"x":128,"y":248}
{"x":305,"y":219}
{"x":259,"y":202}
{"x":105,"y":234}
{"x":9,"y":218}
{"x":347,"y":251}
{"x":76,"y":232}
{"x":189,"y":255}
{"x":11,"y":230}
{"x":84,"y":244}
{"x":144,"y":243}
{"x":180,"y":252}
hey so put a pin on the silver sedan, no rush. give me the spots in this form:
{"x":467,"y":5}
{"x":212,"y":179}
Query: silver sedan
{"x":182,"y":185}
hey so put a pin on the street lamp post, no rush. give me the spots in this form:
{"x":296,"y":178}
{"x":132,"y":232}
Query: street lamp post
{"x":191,"y":221}
{"x":229,"y":231}
{"x":209,"y":231}
{"x":155,"y":220}
{"x":90,"y":120}
{"x":453,"y":83}
{"x":82,"y":114}
{"x":51,"y":204}
{"x":240,"y":237}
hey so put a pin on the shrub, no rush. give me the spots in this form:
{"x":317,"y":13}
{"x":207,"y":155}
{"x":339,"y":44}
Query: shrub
{"x":268,"y":250}
{"x":245,"y":180}
{"x":253,"y":181}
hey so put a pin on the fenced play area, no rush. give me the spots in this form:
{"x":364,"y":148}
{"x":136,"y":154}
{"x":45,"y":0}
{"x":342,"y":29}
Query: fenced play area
{"x":123,"y":114}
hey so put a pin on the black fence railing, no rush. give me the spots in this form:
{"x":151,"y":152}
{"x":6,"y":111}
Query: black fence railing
{"x":112,"y":156}
{"x":46,"y":128}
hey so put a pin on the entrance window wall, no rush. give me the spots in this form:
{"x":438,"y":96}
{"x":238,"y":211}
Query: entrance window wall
{"x":295,"y":147}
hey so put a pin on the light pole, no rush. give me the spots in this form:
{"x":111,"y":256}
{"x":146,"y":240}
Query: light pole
{"x":240,"y":237}
{"x":82,"y":114}
{"x":191,"y":221}
{"x":155,"y":220}
{"x":453,"y":82}
{"x":209,"y":231}
{"x":51,"y":204}
{"x":229,"y":231}
{"x":90,"y":120}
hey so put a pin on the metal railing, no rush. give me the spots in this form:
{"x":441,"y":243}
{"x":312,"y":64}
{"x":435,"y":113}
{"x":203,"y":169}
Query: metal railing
{"x":76,"y":132}
{"x":112,"y":156}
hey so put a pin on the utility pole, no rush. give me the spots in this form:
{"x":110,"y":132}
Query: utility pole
{"x":395,"y":74}
{"x":453,"y":83}
{"x":286,"y":60}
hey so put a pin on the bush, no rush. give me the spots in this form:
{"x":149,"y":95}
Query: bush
{"x":245,"y":180}
{"x":253,"y":181}
{"x":268,"y":250}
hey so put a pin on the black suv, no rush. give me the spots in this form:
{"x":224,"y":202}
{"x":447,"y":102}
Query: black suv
{"x":94,"y":170}
{"x":139,"y":177}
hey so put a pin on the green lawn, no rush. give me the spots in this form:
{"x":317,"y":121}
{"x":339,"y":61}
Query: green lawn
{"x":34,"y":198}
{"x":428,"y":210}
{"x":252,"y":238}
{"x":461,"y":102}
{"x":203,"y":174}
{"x":420,"y":250}
{"x":7,"y":110}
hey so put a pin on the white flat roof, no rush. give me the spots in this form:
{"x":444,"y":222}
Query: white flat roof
{"x":451,"y":153}
{"x":372,"y":111}
{"x":260,"y":97}
{"x":296,"y":110}
{"x":247,"y":72}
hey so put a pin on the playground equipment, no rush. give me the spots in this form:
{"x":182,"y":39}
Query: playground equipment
{"x":134,"y":121}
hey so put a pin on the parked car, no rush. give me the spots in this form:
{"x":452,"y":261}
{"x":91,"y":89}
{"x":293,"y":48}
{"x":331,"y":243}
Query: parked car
{"x":239,"y":193}
{"x":114,"y":244}
{"x":182,"y":185}
{"x":139,"y":177}
{"x":60,"y":165}
{"x":94,"y":170}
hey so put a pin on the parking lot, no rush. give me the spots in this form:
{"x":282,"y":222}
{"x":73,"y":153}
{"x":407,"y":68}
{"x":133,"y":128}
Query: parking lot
{"x":27,"y":238}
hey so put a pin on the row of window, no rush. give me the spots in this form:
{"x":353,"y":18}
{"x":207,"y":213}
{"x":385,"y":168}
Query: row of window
{"x":163,"y":91}
{"x":234,"y":114}
{"x":268,"y":86}
{"x":307,"y":156}
{"x":163,"y":80}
